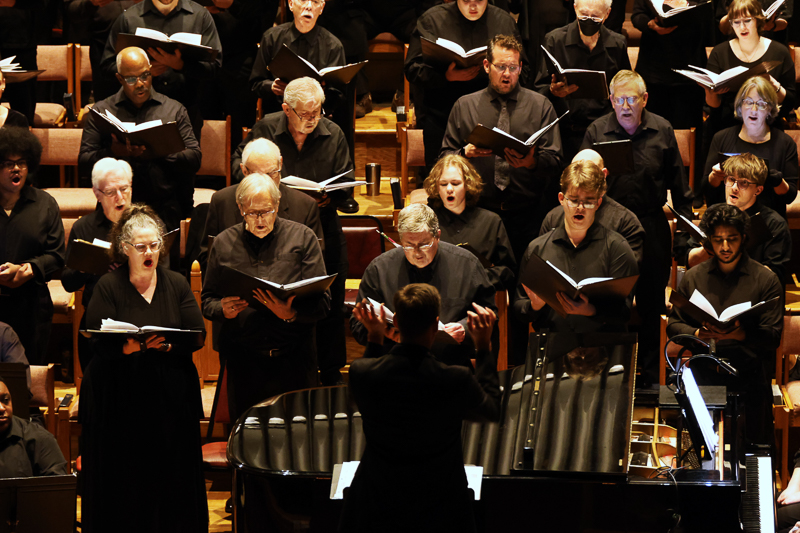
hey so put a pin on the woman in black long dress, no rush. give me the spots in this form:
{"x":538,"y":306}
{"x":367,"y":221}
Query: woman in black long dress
{"x":140,"y":402}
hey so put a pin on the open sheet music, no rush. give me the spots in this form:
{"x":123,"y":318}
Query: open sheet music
{"x":190,"y":44}
{"x":699,"y":308}
{"x":321,"y":187}
{"x":498,"y":140}
{"x":237,"y":283}
{"x":731,"y":78}
{"x":591,"y":83}
{"x":289,"y":66}
{"x":674,"y":16}
{"x":159,"y":139}
{"x":445,"y":52}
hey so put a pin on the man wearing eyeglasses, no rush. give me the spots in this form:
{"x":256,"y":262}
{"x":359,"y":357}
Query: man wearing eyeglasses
{"x":165,"y":184}
{"x":745,"y":175}
{"x":658,"y":168}
{"x":112,"y":185}
{"x":582,"y":248}
{"x":31,"y":243}
{"x":314,"y":148}
{"x":514,"y":184}
{"x":583,"y":44}
{"x":422,"y":258}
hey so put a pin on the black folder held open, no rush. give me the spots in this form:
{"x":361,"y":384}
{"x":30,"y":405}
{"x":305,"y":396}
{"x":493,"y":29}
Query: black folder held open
{"x":289,"y":66}
{"x":237,"y":283}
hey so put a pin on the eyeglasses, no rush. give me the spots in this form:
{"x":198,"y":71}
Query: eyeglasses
{"x":420,"y":247}
{"x":112,"y":193}
{"x":142,"y":248}
{"x":739,"y":22}
{"x":255,"y":215}
{"x":314,"y":3}
{"x":620,"y":100}
{"x":268,"y":173}
{"x":9,"y":164}
{"x":742,"y":184}
{"x":512,"y":69}
{"x":307,"y":117}
{"x":761,"y":105}
{"x":587,"y":204}
{"x":586,"y":17}
{"x":143,"y":77}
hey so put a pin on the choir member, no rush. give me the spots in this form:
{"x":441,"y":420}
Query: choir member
{"x":732,"y":277}
{"x":269,"y":348}
{"x":31,"y":243}
{"x":413,"y":408}
{"x":658,"y":168}
{"x":756,"y":106}
{"x":515,"y":184}
{"x":470,"y":24}
{"x":453,"y":188}
{"x":152,"y":380}
{"x":112,"y":182}
{"x":582,"y":248}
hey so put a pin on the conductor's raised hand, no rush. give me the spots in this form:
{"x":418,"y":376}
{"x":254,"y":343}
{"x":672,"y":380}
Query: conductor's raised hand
{"x":480,"y":324}
{"x":281,"y":308}
{"x":232,"y":306}
{"x":461,"y":74}
{"x":373,"y":320}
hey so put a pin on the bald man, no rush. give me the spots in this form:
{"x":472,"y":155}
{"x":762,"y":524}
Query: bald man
{"x":166,"y":183}
{"x":610,"y":214}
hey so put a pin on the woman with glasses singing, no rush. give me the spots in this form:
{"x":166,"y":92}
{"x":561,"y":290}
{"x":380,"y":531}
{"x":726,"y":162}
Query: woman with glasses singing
{"x":140,"y":399}
{"x":748,"y":49}
{"x":269,"y":347}
{"x":757,"y":105}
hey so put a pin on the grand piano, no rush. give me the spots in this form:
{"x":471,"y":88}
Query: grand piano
{"x":558,"y":460}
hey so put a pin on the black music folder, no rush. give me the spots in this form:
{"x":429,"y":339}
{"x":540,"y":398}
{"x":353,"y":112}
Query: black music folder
{"x":289,"y":66}
{"x":498,"y":140}
{"x":731,"y":78}
{"x":444,"y":51}
{"x":617,"y":156}
{"x":189,"y":337}
{"x":700,"y":309}
{"x":159,"y":139}
{"x":187,"y":43}
{"x":591,"y":84}
{"x":688,"y":226}
{"x":680,"y":15}
{"x":545,"y":279}
{"x":237,"y":283}
{"x":89,"y":257}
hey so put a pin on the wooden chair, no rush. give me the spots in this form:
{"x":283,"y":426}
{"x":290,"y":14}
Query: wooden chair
{"x":633,"y":55}
{"x":215,"y":455}
{"x":83,"y":72}
{"x":43,"y":393}
{"x":634,"y":36}
{"x":60,"y":146}
{"x":363,"y":245}
{"x":412,"y":149}
{"x":686,"y":145}
{"x":57,"y":63}
{"x":215,"y":143}
{"x":787,"y":415}
{"x":207,"y":358}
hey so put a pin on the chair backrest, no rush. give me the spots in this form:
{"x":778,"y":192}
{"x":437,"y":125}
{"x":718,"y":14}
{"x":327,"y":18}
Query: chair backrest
{"x":795,"y":135}
{"x":60,"y":146}
{"x":633,"y":55}
{"x":364,"y":243}
{"x":416,"y":148}
{"x":45,"y":503}
{"x":56,"y":61}
{"x":686,"y":145}
{"x":796,"y":57}
{"x":633,"y":35}
{"x":74,"y":202}
{"x":215,"y":144}
{"x":790,"y":345}
{"x":42,"y":383}
{"x":83,"y":72}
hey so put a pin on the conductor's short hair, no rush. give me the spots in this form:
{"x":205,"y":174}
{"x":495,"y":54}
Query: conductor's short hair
{"x":416,"y":308}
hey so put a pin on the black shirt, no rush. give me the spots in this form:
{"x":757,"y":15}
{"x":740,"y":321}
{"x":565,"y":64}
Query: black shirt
{"x":187,"y":17}
{"x":722,"y":58}
{"x":612,"y":215}
{"x":157,"y":182}
{"x":780,"y":152}
{"x":15,"y":118}
{"x":528,"y":112}
{"x":749,"y":282}
{"x":239,"y":27}
{"x":93,"y":226}
{"x":609,"y":55}
{"x":483,"y":231}
{"x":435,"y":94}
{"x":456,"y":273}
{"x":28,"y":450}
{"x":602,"y":253}
{"x":319,"y":47}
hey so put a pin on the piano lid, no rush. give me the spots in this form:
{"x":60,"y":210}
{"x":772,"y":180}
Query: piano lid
{"x":579,"y":412}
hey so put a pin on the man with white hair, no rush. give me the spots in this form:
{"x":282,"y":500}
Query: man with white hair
{"x":455,"y":272}
{"x":166,"y":184}
{"x":314,"y":148}
{"x":263,"y":157}
{"x":586,"y":44}
{"x":112,"y":185}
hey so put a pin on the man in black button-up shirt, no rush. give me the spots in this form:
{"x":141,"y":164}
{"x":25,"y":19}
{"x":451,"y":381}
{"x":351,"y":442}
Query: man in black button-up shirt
{"x":574,"y":47}
{"x":729,"y":278}
{"x":31,"y":243}
{"x":165,"y":184}
{"x":582,"y":248}
{"x":658,"y":169}
{"x":172,"y":75}
{"x":519,"y":203}
{"x":436,"y":86}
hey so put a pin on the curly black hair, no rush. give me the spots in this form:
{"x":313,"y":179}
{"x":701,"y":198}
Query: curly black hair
{"x":20,"y":142}
{"x":724,"y":215}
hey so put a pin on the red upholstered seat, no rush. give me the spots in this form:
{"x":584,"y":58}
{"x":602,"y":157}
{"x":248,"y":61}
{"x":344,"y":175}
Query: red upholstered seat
{"x":364,"y":244}
{"x":215,"y":454}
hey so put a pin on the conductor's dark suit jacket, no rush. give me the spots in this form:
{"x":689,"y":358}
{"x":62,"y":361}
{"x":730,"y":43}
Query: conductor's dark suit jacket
{"x":411,"y":476}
